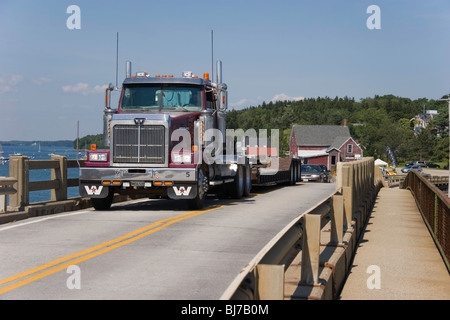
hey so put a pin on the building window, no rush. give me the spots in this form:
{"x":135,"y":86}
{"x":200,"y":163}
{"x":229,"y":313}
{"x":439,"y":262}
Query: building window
{"x":349,"y":148}
{"x":333,"y":160}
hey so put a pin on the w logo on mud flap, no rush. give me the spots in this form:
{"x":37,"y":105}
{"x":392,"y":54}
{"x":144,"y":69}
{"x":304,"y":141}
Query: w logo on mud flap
{"x":94,"y":190}
{"x":182,"y":191}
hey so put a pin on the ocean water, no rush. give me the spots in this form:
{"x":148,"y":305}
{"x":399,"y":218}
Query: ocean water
{"x":37,"y":152}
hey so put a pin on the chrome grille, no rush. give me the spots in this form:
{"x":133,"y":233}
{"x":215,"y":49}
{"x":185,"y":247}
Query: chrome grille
{"x":139,"y":144}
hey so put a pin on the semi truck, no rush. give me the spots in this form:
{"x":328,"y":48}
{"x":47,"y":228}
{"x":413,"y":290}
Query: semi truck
{"x":167,"y":138}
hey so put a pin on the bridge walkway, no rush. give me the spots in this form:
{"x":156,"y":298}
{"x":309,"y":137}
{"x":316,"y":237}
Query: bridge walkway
{"x":396,"y":257}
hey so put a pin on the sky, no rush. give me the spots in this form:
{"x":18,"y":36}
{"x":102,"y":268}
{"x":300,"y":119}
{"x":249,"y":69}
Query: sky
{"x":53,"y":76}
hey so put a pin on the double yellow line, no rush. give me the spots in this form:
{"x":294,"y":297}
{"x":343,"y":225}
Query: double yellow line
{"x":63,"y":263}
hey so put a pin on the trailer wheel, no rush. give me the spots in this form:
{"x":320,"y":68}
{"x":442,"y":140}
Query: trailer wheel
{"x":199,"y":201}
{"x":247,"y":180}
{"x":103,"y":203}
{"x":238,"y":184}
{"x":292,"y":180}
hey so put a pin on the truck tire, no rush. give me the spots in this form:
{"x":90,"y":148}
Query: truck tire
{"x":247,"y":180}
{"x":199,"y":201}
{"x":103,"y":203}
{"x":238,"y":183}
{"x":293,"y":175}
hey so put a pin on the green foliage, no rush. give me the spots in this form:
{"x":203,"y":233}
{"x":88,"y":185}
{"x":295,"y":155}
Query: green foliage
{"x":375,"y":122}
{"x":85,"y":142}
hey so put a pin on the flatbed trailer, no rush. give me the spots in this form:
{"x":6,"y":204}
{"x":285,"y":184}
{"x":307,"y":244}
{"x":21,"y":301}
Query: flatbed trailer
{"x":288,"y":172}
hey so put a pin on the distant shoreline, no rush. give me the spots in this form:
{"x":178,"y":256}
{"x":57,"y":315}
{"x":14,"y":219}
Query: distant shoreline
{"x":57,"y":143}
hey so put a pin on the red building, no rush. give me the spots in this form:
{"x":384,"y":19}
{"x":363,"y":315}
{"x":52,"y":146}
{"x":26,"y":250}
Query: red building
{"x":325,"y":145}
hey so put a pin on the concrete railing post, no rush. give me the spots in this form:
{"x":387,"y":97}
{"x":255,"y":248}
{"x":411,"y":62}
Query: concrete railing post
{"x":337,"y":219}
{"x":3,"y":202}
{"x":269,"y":282}
{"x":310,"y":249}
{"x":59,"y":174}
{"x":18,"y":169}
{"x":6,"y":189}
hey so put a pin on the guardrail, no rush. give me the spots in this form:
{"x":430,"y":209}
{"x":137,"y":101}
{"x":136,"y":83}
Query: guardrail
{"x":310,"y":257}
{"x":6,"y":188}
{"x":19,"y":169}
{"x":434,"y":206}
{"x":397,"y":180}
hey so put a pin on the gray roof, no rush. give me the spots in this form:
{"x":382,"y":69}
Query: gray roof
{"x":325,"y":136}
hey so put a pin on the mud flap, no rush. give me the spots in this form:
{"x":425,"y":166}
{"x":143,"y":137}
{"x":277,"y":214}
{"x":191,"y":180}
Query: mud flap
{"x":182,"y":191}
{"x":93,"y":191}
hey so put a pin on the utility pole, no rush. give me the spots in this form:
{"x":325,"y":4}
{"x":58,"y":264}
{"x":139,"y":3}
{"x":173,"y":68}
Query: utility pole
{"x":448,"y":100}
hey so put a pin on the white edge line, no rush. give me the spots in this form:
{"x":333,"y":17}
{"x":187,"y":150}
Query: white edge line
{"x":42,"y":219}
{"x":60,"y":215}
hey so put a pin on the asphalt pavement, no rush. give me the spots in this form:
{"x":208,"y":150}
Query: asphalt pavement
{"x":146,"y":249}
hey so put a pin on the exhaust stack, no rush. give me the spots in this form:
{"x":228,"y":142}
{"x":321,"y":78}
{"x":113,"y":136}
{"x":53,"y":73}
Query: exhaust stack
{"x":128,"y":69}
{"x":222,"y":100}
{"x":219,"y":72}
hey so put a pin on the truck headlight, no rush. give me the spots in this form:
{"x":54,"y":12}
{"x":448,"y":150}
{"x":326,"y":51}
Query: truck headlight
{"x":182,"y":158}
{"x":98,"y":156}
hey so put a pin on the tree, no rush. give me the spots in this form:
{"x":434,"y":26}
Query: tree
{"x":86,"y":142}
{"x":424,"y":144}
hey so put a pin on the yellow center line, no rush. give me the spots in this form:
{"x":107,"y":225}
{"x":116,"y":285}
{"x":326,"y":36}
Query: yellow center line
{"x":89,"y":253}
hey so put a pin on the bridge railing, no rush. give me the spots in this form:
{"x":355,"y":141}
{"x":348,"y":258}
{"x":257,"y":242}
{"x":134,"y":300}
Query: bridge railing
{"x":434,"y":206}
{"x":310,"y":257}
{"x":397,"y":180}
{"x":6,"y":188}
{"x":19,"y":170}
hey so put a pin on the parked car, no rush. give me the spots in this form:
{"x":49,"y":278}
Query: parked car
{"x":313,"y":172}
{"x":432,"y":165}
{"x":407,"y":169}
{"x":410,"y":164}
{"x":420,"y":164}
{"x":423,"y":164}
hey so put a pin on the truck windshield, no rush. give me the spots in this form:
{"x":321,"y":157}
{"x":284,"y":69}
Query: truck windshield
{"x":165,"y":97}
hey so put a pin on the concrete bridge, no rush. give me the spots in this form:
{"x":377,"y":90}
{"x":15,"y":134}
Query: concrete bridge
{"x":356,"y":238}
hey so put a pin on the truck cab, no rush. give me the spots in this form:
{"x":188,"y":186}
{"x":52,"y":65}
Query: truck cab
{"x":157,"y":139}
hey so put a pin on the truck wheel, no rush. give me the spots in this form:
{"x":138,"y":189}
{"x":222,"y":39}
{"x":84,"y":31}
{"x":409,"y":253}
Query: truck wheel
{"x":199,"y":201}
{"x":238,"y":184}
{"x":103,"y":203}
{"x":247,"y":180}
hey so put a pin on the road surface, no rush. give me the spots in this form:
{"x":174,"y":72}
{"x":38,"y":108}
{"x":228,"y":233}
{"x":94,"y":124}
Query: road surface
{"x":146,"y":249}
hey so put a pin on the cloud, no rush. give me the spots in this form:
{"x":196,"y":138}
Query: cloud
{"x":243,"y":103}
{"x":284,"y":97}
{"x":84,"y":88}
{"x":8,"y":82}
{"x":41,"y":81}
